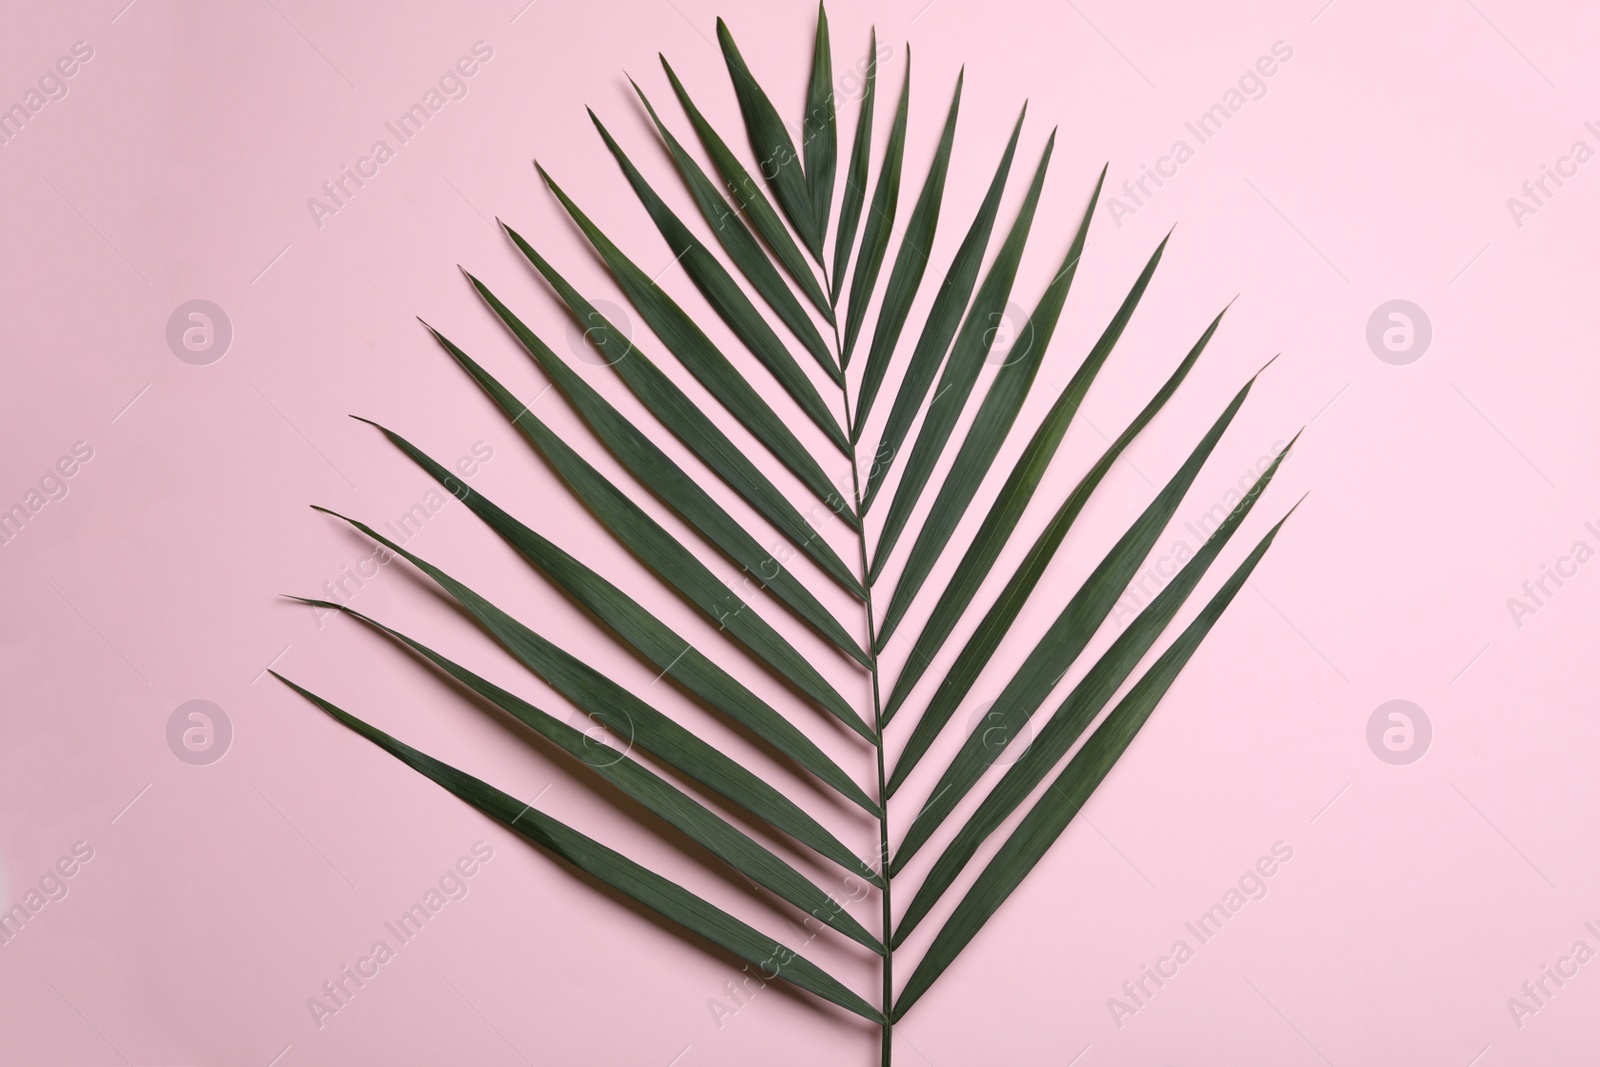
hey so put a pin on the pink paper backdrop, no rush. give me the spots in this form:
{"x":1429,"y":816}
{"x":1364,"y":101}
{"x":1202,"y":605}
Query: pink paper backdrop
{"x":1374,"y":164}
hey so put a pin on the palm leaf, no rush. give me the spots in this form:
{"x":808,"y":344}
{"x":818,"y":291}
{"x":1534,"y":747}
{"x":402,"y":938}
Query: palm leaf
{"x":612,"y":868}
{"x":770,"y":245}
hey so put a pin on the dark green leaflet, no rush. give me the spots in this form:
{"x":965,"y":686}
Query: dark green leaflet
{"x":645,"y":633}
{"x":1076,"y":712}
{"x":678,"y":567}
{"x":1042,"y":825}
{"x":1020,"y":487}
{"x":744,"y":189}
{"x":962,"y":587}
{"x":669,"y":803}
{"x":820,"y":129}
{"x":727,"y":299}
{"x":910,"y":263}
{"x":855,"y":183}
{"x":880,"y":222}
{"x":685,"y":340}
{"x":960,"y":371}
{"x":943,"y":319}
{"x":685,"y":419}
{"x":666,"y":479}
{"x":1061,"y":643}
{"x":769,"y":139}
{"x":999,"y":410}
{"x":622,"y":874}
{"x":744,"y":249}
{"x":627,"y":716}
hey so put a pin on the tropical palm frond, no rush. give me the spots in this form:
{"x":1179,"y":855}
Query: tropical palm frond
{"x":781,"y":272}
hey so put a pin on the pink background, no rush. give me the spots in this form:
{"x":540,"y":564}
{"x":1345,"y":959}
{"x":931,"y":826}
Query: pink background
{"x":1377,"y":166}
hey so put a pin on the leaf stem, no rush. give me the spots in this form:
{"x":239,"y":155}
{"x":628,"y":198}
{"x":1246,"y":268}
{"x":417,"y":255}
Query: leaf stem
{"x":877,"y":714}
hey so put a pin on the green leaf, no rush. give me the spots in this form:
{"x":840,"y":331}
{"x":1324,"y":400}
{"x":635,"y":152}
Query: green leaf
{"x":1056,"y":650}
{"x":769,"y":139}
{"x":960,"y":371}
{"x":910,"y":263}
{"x":657,"y":472}
{"x":685,"y":340}
{"x":645,"y":633}
{"x":855,"y":183}
{"x":686,"y":421}
{"x":1047,"y":820}
{"x":751,"y":198}
{"x":744,"y":250}
{"x":613,"y":869}
{"x":665,"y":800}
{"x":880,"y":222}
{"x":940,"y":326}
{"x":821,"y":129}
{"x":1024,"y":479}
{"x":727,"y":299}
{"x":628,"y":716}
{"x":1000,"y":407}
{"x":1088,"y":697}
{"x":677,"y":566}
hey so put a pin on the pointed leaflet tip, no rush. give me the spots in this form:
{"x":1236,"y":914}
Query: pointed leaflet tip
{"x":1264,"y":366}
